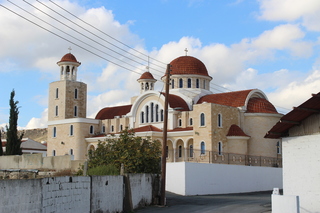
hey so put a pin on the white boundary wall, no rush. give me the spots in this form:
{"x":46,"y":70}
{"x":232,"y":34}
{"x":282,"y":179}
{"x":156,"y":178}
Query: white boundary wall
{"x":301,"y":173}
{"x":187,"y":178}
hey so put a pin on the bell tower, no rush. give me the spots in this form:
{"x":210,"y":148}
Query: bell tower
{"x":67,"y":97}
{"x":146,"y":82}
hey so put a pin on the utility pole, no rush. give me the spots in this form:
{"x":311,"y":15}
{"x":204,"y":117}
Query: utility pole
{"x":164,"y":142}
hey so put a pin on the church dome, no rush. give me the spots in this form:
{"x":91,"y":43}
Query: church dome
{"x":260,"y":105}
{"x":146,"y":75}
{"x":69,"y":58}
{"x":188,"y":65}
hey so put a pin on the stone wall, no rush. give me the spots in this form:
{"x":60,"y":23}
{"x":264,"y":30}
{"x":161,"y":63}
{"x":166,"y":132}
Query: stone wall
{"x":76,"y":194}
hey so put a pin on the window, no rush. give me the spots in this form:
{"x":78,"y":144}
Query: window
{"x":220,"y":148}
{"x":180,"y":151}
{"x":180,"y":83}
{"x":112,"y":128}
{"x":121,"y":127}
{"x":202,"y":119}
{"x":152,"y":114}
{"x":142,"y":117}
{"x":203,"y":148}
{"x":219,"y":120}
{"x":75,"y":93}
{"x":161,"y":115}
{"x":197,"y":83}
{"x":91,"y":129}
{"x":53,"y":152}
{"x":278,"y":148}
{"x":189,"y":82}
{"x":172,"y":83}
{"x":191,"y":151}
{"x":167,"y":151}
{"x":103,"y":128}
{"x":204,"y":84}
{"x":75,"y":111}
{"x":157,"y":113}
{"x":54,"y":132}
{"x":71,"y":130}
{"x":71,"y":152}
{"x":57,"y":93}
{"x":57,"y":111}
{"x":190,"y":122}
{"x":180,"y":122}
{"x":147,"y":114}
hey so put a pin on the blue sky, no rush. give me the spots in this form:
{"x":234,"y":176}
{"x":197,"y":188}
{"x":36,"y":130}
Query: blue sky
{"x":272,"y":45}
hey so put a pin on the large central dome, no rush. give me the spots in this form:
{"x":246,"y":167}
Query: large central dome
{"x":188,"y":65}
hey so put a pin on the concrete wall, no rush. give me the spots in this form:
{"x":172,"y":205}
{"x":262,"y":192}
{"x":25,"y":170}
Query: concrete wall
{"x":36,"y":161}
{"x":75,"y":194}
{"x":199,"y":178}
{"x":285,"y":203}
{"x":301,"y":171}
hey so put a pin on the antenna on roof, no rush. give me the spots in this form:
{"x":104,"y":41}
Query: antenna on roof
{"x":186,"y":50}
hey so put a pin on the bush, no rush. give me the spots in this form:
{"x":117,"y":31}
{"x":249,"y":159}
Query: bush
{"x":104,"y":170}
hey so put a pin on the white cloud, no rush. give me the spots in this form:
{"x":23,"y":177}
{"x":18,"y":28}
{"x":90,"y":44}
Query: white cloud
{"x":292,"y":10}
{"x":38,"y":122}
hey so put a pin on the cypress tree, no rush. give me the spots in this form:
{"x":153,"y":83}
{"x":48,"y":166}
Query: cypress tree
{"x":13,"y":140}
{"x":1,"y":150}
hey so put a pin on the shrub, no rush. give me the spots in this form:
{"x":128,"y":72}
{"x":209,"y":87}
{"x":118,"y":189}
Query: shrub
{"x":104,"y":170}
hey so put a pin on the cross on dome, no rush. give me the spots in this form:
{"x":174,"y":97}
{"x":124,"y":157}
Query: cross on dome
{"x":69,"y":49}
{"x":186,"y":50}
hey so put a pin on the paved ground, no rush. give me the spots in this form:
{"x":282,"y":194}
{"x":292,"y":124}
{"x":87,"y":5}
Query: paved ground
{"x":235,"y":203}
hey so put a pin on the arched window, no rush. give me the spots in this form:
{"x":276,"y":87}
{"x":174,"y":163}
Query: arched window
{"x":203,"y":148}
{"x":220,"y":148}
{"x":61,"y":70}
{"x":57,"y":111}
{"x":75,"y":93}
{"x":219,"y":120}
{"x":180,"y":151}
{"x":121,"y":127}
{"x":103,"y":128}
{"x":75,"y":111}
{"x":147,"y":114}
{"x":91,"y":129}
{"x":204,"y":84}
{"x":161,"y":115}
{"x":191,"y":151}
{"x":53,"y":152}
{"x":68,"y":70}
{"x":189,"y":82}
{"x":167,"y":151}
{"x":152,"y":112}
{"x":57,"y":92}
{"x":71,"y":152}
{"x":180,"y":83}
{"x":157,"y":113}
{"x":190,"y":121}
{"x":202,"y":119}
{"x":54,"y":132}
{"x":142,"y":117}
{"x":112,"y":128}
{"x":179,"y":122}
{"x":71,"y":130}
{"x":172,"y":83}
{"x":197,"y":83}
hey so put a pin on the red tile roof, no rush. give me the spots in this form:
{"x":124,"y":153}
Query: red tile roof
{"x":235,"y":130}
{"x":147,"y":128}
{"x":260,"y":105}
{"x":69,"y":57}
{"x":295,"y":117}
{"x":146,"y":75}
{"x":188,"y":65}
{"x":177,"y":102}
{"x":234,"y":99}
{"x":181,"y":129}
{"x":111,"y":112}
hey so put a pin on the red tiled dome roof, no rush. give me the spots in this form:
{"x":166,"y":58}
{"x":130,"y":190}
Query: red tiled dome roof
{"x":146,"y":75}
{"x":260,"y":105}
{"x":69,"y":57}
{"x":177,"y":102}
{"x":235,"y":130}
{"x":111,"y":112}
{"x":188,"y":65}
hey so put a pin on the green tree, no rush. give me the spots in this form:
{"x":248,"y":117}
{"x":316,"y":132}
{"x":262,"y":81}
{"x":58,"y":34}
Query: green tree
{"x":13,"y":140}
{"x":1,"y":150}
{"x":138,"y":155}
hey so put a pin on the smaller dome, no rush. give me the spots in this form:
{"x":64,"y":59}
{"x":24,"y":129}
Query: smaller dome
{"x":260,"y":105}
{"x":146,"y":75}
{"x":69,"y":58}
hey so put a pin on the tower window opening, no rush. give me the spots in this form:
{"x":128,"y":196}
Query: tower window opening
{"x":189,"y":82}
{"x":57,"y":111}
{"x":91,"y":130}
{"x":75,"y":111}
{"x":57,"y":92}
{"x":75,"y":93}
{"x":71,"y":130}
{"x":180,"y":83}
{"x":197,"y":83}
